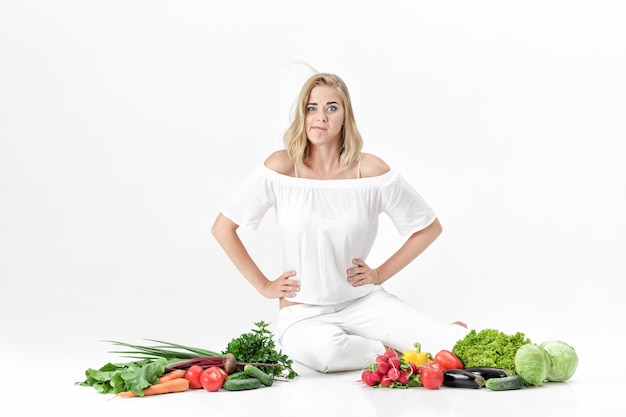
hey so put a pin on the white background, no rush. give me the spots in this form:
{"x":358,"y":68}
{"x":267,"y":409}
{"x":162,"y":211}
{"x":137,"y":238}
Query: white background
{"x":124,"y":126}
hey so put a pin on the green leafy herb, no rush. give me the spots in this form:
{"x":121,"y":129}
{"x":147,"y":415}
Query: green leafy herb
{"x":131,"y":376}
{"x":258,"y":347}
{"x":489,"y":347}
{"x":150,"y":362}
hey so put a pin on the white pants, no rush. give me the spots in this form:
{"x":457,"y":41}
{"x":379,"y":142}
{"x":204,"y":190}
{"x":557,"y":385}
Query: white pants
{"x":348,"y":336}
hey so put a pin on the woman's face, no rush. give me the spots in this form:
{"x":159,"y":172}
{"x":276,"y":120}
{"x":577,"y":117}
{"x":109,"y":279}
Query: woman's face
{"x":324,"y":116}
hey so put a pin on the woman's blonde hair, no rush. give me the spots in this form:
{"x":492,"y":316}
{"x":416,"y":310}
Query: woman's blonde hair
{"x":295,"y":137}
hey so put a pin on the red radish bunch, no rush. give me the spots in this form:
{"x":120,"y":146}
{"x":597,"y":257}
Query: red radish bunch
{"x":390,"y":370}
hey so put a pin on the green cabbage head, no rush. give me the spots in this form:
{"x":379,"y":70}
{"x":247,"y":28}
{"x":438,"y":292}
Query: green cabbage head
{"x":564,"y":360}
{"x":533,"y":364}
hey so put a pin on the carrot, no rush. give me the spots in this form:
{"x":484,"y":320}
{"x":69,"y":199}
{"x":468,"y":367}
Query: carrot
{"x":179,"y":373}
{"x":173,"y":385}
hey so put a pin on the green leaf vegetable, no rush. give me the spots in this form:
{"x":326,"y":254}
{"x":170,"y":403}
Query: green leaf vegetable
{"x":131,"y":376}
{"x":150,"y":362}
{"x":258,"y":347}
{"x":564,"y":360}
{"x":533,"y":364}
{"x":489,"y":347}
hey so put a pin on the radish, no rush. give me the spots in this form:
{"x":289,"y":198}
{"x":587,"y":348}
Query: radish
{"x":383,"y":367}
{"x":385,"y":381}
{"x":393,"y":374}
{"x":394,"y":363}
{"x":390,"y":353}
{"x":403,"y":378}
{"x":391,"y":370}
{"x":368,"y":377}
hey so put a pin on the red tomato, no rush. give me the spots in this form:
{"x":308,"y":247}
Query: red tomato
{"x":431,"y":377}
{"x":212,"y":379}
{"x":193,"y":375}
{"x":448,"y":360}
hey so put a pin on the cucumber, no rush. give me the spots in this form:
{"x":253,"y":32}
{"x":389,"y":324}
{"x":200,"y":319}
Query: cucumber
{"x":238,"y":375}
{"x":242,"y":384}
{"x":255,"y":372}
{"x":506,"y":383}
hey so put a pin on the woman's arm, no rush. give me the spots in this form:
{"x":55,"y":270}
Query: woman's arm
{"x":411,"y":249}
{"x":225,"y":232}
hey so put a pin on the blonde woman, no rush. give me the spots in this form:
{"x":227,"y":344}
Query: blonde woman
{"x":327,"y":195}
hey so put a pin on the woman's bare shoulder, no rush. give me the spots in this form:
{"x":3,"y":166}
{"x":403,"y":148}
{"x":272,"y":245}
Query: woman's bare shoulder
{"x":373,"y":166}
{"x":280,"y":162}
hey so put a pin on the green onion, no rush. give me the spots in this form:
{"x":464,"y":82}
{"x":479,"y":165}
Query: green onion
{"x":165,"y":350}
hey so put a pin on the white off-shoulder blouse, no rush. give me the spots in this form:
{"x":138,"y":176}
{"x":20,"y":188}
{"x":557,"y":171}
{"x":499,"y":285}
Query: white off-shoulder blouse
{"x":324,"y":224}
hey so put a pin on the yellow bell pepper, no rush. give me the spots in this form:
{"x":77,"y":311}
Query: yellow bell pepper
{"x":416,"y":356}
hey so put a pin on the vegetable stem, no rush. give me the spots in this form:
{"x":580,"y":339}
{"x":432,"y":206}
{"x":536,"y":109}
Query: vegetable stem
{"x":162,"y":351}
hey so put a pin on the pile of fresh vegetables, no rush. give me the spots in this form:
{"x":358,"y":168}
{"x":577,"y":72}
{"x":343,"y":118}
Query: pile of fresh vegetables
{"x":413,"y":368}
{"x":488,"y":358}
{"x":391,"y":370}
{"x":249,"y":361}
{"x":552,"y":361}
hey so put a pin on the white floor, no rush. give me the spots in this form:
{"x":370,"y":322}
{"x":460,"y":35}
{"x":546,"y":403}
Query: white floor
{"x":125,"y":124}
{"x":45,"y":354}
{"x":50,"y":388}
{"x":340,"y":395}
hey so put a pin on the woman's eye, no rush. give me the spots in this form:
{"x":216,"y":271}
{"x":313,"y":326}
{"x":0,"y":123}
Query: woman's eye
{"x":331,"y":108}
{"x":310,"y":109}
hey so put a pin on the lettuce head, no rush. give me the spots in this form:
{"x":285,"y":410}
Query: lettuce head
{"x":564,"y":360}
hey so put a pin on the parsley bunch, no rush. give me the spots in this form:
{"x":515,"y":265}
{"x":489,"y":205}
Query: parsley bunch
{"x":258,"y":347}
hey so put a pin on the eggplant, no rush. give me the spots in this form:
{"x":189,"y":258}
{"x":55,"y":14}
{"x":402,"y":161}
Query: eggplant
{"x":461,"y":378}
{"x":488,"y":372}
